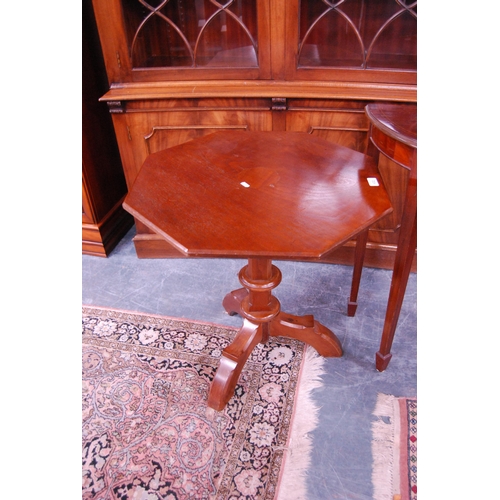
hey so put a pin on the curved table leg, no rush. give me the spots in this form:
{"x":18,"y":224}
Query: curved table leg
{"x":308,"y":330}
{"x":303,"y":328}
{"x":232,"y":301}
{"x":231,"y":363}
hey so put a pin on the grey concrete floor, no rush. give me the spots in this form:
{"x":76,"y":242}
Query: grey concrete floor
{"x":194,"y":288}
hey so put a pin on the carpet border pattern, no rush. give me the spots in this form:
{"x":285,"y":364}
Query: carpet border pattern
{"x":394,"y":448}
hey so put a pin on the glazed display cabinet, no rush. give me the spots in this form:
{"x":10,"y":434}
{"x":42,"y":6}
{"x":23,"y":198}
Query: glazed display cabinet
{"x":180,"y":69}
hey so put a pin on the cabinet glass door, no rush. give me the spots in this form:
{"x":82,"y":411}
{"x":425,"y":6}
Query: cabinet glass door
{"x":173,"y":38}
{"x":375,"y":38}
{"x":191,"y":33}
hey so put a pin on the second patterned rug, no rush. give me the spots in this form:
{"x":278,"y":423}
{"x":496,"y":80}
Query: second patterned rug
{"x":394,"y":448}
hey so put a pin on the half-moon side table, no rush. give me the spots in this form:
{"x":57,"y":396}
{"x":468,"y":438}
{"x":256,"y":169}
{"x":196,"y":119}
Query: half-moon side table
{"x":393,"y":132}
{"x":261,"y":196}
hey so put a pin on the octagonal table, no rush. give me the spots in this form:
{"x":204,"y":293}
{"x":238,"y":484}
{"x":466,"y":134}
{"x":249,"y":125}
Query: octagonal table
{"x":260,"y":196}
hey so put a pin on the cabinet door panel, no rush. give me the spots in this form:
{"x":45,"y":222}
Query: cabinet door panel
{"x":335,"y":122}
{"x":151,"y":131}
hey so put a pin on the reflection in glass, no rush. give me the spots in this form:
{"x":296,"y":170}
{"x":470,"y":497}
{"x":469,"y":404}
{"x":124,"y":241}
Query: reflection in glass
{"x":367,"y":34}
{"x":191,"y":33}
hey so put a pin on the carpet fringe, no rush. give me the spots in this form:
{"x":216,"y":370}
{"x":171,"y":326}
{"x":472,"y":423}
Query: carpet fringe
{"x":385,"y":448}
{"x":297,"y":457}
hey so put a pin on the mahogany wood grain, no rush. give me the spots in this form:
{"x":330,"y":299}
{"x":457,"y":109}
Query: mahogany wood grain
{"x":259,"y":195}
{"x":278,"y":39}
{"x":393,"y":132}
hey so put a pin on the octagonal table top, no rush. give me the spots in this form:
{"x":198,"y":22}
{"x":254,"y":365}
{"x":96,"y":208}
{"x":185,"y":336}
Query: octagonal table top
{"x":256,"y":194}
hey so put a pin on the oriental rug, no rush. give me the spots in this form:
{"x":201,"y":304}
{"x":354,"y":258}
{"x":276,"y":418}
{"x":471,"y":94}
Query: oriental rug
{"x":148,"y":433}
{"x":394,"y":448}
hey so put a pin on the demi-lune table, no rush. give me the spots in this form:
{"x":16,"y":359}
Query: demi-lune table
{"x":260,"y":196}
{"x":393,"y":132}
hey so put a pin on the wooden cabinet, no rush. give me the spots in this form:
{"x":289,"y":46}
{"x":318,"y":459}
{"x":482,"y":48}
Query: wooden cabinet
{"x":104,"y":221}
{"x":180,"y":69}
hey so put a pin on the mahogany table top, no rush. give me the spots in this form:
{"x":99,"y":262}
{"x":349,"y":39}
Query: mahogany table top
{"x":255,"y":194}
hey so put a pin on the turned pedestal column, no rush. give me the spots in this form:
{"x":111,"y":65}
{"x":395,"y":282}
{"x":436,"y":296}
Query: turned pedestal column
{"x":262,"y":318}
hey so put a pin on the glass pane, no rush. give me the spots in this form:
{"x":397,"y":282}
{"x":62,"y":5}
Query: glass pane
{"x":358,"y":34}
{"x":191,"y":33}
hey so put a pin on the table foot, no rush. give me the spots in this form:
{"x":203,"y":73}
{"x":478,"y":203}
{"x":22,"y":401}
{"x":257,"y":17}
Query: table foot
{"x":351,"y":308}
{"x":231,"y":363}
{"x":382,"y":361}
{"x":308,"y":330}
{"x":232,"y":301}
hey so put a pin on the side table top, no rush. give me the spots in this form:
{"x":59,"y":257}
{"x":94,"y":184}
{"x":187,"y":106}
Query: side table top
{"x":398,"y":121}
{"x":253,"y":194}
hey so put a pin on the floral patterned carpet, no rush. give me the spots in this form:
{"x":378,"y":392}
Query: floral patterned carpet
{"x":147,"y":430}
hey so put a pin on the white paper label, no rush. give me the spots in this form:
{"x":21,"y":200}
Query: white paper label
{"x":372,"y":181}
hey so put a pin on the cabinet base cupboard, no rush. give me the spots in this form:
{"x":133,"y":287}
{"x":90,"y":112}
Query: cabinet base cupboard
{"x":180,"y":69}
